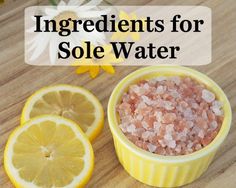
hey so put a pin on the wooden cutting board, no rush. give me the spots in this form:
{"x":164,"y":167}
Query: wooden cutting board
{"x":18,"y":80}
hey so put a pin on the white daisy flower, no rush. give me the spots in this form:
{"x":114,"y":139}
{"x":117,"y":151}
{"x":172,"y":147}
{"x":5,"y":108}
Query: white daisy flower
{"x":74,"y":9}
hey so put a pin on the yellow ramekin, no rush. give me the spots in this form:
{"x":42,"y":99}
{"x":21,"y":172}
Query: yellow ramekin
{"x":157,"y":170}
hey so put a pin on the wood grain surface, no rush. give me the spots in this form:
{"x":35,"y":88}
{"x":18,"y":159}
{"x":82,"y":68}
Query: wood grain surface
{"x":18,"y":80}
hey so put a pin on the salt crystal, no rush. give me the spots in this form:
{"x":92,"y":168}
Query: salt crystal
{"x":135,"y":88}
{"x":194,"y":131}
{"x":123,"y":128}
{"x":168,"y":137}
{"x":195,"y":105}
{"x":162,"y":143}
{"x":125,"y":97}
{"x":198,"y":147}
{"x":182,"y":136}
{"x":138,"y":90}
{"x":156,"y":126}
{"x":147,"y":134}
{"x":216,"y":108}
{"x":185,"y":131}
{"x":152,"y":81}
{"x":127,"y":119}
{"x":159,"y":103}
{"x":161,"y":78}
{"x":141,"y":105}
{"x":188,"y":114}
{"x":180,"y":109}
{"x":146,"y":100}
{"x":131,"y":128}
{"x":158,"y":115}
{"x":152,"y":148}
{"x":160,"y":90}
{"x":217,"y":104}
{"x":139,"y":117}
{"x":169,"y":128}
{"x":145,"y":125}
{"x":168,"y":105}
{"x":204,"y":115}
{"x":174,"y":94}
{"x":132,"y":97}
{"x":208,"y":96}
{"x":201,"y":134}
{"x":183,"y":104}
{"x":217,"y":111}
{"x":138,"y":132}
{"x":171,"y":144}
{"x":189,"y":124}
{"x":176,"y":80}
{"x":178,"y":148}
{"x":179,"y":115}
{"x":146,"y":86}
{"x":213,"y":125}
{"x":190,"y":150}
{"x":190,"y":145}
{"x":169,"y":118}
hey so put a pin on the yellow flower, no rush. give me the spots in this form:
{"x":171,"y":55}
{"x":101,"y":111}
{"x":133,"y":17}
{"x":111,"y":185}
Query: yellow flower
{"x":93,"y":65}
{"x":123,"y":35}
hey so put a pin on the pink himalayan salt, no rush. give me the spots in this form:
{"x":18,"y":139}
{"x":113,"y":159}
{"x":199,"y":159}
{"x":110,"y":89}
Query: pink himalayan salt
{"x":170,"y":115}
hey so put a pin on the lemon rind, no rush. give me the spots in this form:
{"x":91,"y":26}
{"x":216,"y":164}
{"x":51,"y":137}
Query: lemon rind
{"x":80,"y":180}
{"x":93,"y":131}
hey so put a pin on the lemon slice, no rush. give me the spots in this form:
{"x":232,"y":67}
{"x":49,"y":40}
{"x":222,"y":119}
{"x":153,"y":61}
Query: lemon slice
{"x":48,"y":151}
{"x":72,"y":102}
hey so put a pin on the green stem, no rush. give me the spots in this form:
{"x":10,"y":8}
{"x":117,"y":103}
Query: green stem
{"x":53,"y":2}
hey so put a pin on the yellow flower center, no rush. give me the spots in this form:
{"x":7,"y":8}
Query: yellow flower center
{"x":65,"y":16}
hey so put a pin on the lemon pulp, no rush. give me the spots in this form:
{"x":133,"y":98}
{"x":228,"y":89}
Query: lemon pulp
{"x":49,"y":152}
{"x":70,"y":105}
{"x":71,"y":102}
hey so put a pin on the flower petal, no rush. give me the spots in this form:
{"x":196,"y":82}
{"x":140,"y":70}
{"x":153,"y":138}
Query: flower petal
{"x":30,"y":30}
{"x":110,"y":58}
{"x":61,"y":3}
{"x":107,"y":48}
{"x":91,"y":13}
{"x":51,"y":12}
{"x":94,"y":37}
{"x":108,"y":68}
{"x":135,"y":36}
{"x":114,"y":36}
{"x":53,"y":48}
{"x":40,"y":46}
{"x":75,"y":2}
{"x":94,"y":70}
{"x":133,"y":16}
{"x":124,"y":16}
{"x":82,"y":69}
{"x":93,"y":3}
